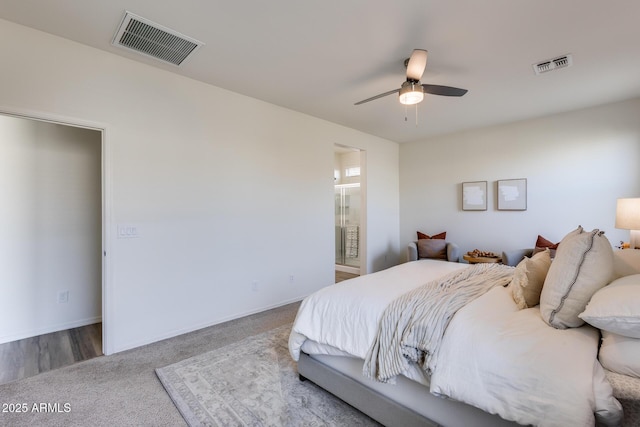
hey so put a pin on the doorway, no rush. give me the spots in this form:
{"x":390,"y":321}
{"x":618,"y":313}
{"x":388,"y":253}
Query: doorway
{"x":51,"y":245}
{"x":349,"y":209}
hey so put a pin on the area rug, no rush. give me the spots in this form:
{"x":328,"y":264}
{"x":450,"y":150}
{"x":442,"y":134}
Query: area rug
{"x":253,"y":382}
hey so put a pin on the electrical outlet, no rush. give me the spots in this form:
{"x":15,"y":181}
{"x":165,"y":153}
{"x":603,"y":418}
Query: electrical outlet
{"x":63,"y":297}
{"x":291,"y":278}
{"x":254,"y":286}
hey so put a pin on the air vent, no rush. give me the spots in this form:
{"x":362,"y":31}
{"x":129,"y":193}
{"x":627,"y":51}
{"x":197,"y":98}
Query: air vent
{"x":148,"y":38}
{"x":553,"y":64}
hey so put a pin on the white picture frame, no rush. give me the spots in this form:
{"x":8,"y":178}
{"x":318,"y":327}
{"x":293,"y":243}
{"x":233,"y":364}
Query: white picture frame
{"x":474,"y":196}
{"x":512,"y":194}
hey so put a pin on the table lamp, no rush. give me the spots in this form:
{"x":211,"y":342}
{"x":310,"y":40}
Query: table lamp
{"x":628,"y":218}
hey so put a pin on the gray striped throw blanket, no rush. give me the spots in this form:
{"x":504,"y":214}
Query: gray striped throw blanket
{"x":413,"y":325}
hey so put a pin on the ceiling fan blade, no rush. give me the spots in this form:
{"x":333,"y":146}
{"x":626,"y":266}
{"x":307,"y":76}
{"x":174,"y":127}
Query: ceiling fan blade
{"x":377,"y":96}
{"x":416,"y":64}
{"x":443,"y":90}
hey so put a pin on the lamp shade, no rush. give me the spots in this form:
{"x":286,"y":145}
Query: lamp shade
{"x":628,"y":214}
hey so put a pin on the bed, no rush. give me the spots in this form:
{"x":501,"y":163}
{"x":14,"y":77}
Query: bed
{"x":495,"y":363}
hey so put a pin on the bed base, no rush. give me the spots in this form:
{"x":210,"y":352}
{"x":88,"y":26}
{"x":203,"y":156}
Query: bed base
{"x":430,"y":411}
{"x":375,"y":405}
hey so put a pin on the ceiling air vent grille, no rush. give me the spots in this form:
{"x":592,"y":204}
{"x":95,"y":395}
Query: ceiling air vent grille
{"x":151,"y":39}
{"x":553,"y":64}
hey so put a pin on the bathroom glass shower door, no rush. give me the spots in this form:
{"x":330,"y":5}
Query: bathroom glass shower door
{"x":348,"y":224}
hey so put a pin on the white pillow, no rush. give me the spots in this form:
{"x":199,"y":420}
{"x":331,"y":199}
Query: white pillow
{"x":583,"y":264}
{"x":620,"y":354}
{"x":616,"y":308}
{"x":528,"y":279}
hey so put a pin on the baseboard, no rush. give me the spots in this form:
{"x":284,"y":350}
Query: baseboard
{"x":49,"y":329}
{"x":196,"y":327}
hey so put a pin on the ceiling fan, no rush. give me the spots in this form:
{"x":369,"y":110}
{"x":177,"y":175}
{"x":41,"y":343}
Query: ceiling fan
{"x":412,"y":91}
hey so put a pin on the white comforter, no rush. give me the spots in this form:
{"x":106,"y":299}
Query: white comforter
{"x":493,"y":356}
{"x":345,"y":316}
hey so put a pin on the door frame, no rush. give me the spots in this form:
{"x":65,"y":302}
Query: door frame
{"x":363,"y":207}
{"x":105,"y":178}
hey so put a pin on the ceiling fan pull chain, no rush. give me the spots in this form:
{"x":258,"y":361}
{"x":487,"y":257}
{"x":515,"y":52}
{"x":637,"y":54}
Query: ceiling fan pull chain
{"x":416,"y":115}
{"x":405,"y":112}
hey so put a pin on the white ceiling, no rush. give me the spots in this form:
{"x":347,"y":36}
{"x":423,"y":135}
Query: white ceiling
{"x":319,"y":57}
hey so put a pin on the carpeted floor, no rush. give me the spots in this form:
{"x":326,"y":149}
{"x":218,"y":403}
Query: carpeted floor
{"x":123,"y":389}
{"x":253,"y":382}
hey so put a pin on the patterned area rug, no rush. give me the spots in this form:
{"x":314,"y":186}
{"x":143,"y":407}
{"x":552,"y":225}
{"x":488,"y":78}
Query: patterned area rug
{"x":253,"y":382}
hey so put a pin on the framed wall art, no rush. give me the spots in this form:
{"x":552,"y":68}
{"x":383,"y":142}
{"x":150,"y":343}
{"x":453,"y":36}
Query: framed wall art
{"x":474,"y":196}
{"x":512,"y":194}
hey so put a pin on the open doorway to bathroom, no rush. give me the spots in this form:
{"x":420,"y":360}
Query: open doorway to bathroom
{"x":349,"y":211}
{"x":51,"y":245}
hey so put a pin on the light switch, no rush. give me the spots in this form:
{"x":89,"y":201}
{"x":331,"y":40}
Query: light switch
{"x":128,"y":231}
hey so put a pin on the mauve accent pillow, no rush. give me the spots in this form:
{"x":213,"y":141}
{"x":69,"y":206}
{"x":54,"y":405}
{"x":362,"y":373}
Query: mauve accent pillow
{"x":432,"y":248}
{"x":442,"y":236}
{"x":583,"y":264}
{"x":542,"y":244}
{"x":528,"y":279}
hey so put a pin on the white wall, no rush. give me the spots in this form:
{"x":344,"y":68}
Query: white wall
{"x":50,"y":232}
{"x":576,"y":165}
{"x":225,"y":190}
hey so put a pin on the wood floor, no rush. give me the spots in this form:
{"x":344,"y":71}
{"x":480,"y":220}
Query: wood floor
{"x":341,"y":275}
{"x":31,"y":356}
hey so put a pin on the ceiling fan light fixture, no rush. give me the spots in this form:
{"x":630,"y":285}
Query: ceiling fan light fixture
{"x":411,"y":93}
